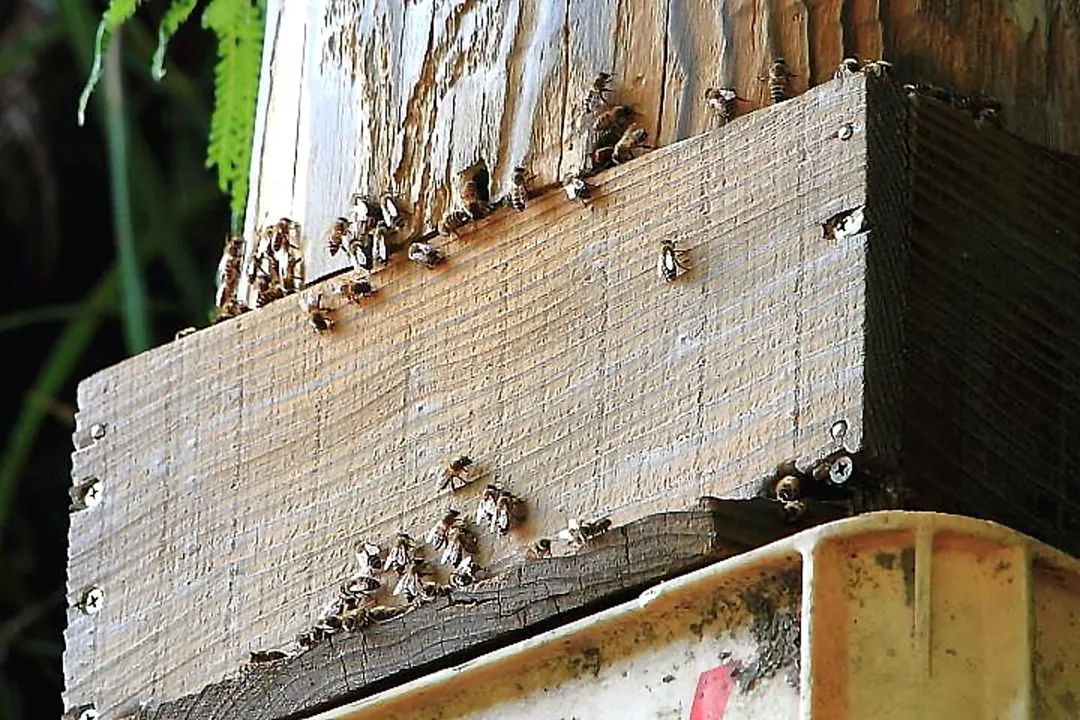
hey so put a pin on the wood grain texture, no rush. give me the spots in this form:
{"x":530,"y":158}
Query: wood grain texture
{"x":382,"y":96}
{"x":523,"y":602}
{"x":546,"y":348}
{"x":992,"y":410}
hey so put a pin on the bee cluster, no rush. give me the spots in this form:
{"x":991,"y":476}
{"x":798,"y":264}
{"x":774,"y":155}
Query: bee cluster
{"x":983,"y":108}
{"x":832,"y":478}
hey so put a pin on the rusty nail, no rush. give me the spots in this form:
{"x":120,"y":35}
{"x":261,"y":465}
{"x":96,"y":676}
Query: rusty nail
{"x":846,"y":131}
{"x":97,"y":431}
{"x":92,"y":600}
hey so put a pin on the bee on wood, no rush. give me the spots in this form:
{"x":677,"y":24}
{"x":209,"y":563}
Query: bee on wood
{"x":369,"y":559}
{"x":320,"y":317}
{"x":473,"y":187}
{"x":356,"y":290}
{"x":267,"y":289}
{"x":228,"y":272}
{"x":360,"y":586}
{"x":722,"y":102}
{"x":380,"y":613}
{"x":230,"y":309}
{"x":519,"y":193}
{"x":778,"y":80}
{"x":485,"y":510}
{"x":310,"y":638}
{"x":464,"y":573}
{"x":452,"y":222}
{"x":292,"y":276}
{"x":539,"y":550}
{"x":358,"y":248}
{"x":847,"y":68}
{"x":632,"y":139}
{"x":379,"y":251}
{"x":411,"y":584}
{"x":426,"y":255}
{"x":610,"y":125}
{"x":365,"y":214}
{"x":285,"y":235}
{"x":436,"y":536}
{"x":509,"y":511}
{"x":792,"y":511}
{"x":671,"y":261}
{"x":456,"y":474}
{"x":262,"y":657}
{"x":787,"y":488}
{"x":459,"y":541}
{"x":391,"y":213}
{"x":597,"y":95}
{"x":401,"y":554}
{"x":576,"y":188}
{"x":878,"y":68}
{"x":341,"y":232}
{"x":579,"y":533}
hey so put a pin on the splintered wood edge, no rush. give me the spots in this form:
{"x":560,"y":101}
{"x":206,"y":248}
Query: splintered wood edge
{"x":522,"y":602}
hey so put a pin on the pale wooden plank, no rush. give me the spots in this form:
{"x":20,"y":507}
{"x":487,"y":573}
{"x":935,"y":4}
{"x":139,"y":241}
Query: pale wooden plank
{"x":546,"y":348}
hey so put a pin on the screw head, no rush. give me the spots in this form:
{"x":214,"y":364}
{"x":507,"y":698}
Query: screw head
{"x":89,"y":714}
{"x":92,"y":601}
{"x":97,"y":431}
{"x":841,"y":470}
{"x":93,"y":493}
{"x":846,"y":131}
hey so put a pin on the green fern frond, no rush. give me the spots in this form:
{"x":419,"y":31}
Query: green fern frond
{"x":114,"y":16}
{"x":238,"y":25}
{"x":174,"y":17}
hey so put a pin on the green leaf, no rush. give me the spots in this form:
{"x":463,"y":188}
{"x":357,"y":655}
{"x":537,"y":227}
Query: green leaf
{"x":174,"y":17}
{"x":113,"y":17}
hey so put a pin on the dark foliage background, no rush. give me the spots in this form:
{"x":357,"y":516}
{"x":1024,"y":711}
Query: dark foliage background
{"x":62,"y":318}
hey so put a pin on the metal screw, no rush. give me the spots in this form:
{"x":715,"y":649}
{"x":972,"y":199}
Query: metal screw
{"x":838,"y":431}
{"x":846,"y":131}
{"x":92,"y":601}
{"x":97,"y":431}
{"x":88,"y":714}
{"x":92,"y":494}
{"x":841,"y":470}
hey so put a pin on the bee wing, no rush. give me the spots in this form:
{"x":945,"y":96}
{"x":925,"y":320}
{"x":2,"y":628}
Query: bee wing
{"x":451,"y":554}
{"x":390,"y":212}
{"x":436,"y":536}
{"x":665,"y":264}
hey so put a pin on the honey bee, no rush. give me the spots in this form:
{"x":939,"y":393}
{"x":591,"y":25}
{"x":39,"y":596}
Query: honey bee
{"x":452,"y":222}
{"x":401,"y":553}
{"x":359,"y":251}
{"x":310,"y":638}
{"x":228,"y":272}
{"x":847,"y":68}
{"x":456,"y":474}
{"x":356,"y":290}
{"x":579,"y":533}
{"x":268,"y":292}
{"x":787,"y":488}
{"x":485,"y":510}
{"x":261,"y":657}
{"x":285,"y":234}
{"x":519,"y":193}
{"x":292,"y":276}
{"x":360,"y":585}
{"x":340,"y":234}
{"x":608,"y":128}
{"x":509,"y":511}
{"x":539,"y":550}
{"x":426,"y":255}
{"x":411,"y":584}
{"x":365,"y":214}
{"x":391,"y":213}
{"x":379,"y":252}
{"x":436,"y":536}
{"x":722,"y":102}
{"x":473,"y":187}
{"x":320,"y":317}
{"x":670,"y":261}
{"x":576,"y":188}
{"x":464,"y":573}
{"x":230,"y":309}
{"x":596,"y":97}
{"x":778,"y":80}
{"x":878,"y":68}
{"x":792,"y":511}
{"x":633,"y":138}
{"x":459,"y":540}
{"x":369,"y":559}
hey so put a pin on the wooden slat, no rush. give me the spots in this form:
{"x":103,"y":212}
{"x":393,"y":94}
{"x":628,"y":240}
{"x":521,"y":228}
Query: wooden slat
{"x":546,"y":348}
{"x":520,"y":603}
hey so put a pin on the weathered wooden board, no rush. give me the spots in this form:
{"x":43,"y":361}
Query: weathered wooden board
{"x":241,"y":464}
{"x":524,"y":601}
{"x":381,"y":95}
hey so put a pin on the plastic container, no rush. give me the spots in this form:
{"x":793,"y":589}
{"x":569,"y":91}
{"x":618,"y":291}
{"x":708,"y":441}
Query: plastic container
{"x":886,"y":615}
